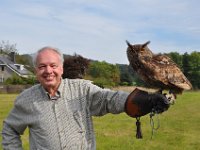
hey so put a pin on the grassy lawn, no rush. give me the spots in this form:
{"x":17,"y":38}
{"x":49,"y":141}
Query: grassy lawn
{"x":179,"y":127}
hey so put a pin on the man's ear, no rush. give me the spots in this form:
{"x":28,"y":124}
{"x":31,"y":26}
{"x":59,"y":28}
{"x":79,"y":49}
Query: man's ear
{"x":62,"y":70}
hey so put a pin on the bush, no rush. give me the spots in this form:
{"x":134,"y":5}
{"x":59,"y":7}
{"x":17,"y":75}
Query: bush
{"x":17,"y":80}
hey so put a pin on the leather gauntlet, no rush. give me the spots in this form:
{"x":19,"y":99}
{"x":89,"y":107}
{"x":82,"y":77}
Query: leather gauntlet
{"x":140,"y":103}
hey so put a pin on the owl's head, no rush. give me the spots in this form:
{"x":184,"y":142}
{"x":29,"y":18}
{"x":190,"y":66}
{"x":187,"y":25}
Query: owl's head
{"x":138,"y":50}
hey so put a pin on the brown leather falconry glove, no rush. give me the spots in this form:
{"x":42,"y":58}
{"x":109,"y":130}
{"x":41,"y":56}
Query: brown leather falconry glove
{"x":140,"y":103}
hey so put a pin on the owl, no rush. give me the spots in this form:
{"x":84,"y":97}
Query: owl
{"x":157,"y":71}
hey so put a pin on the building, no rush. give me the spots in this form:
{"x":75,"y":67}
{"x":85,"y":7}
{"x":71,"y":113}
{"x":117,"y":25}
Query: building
{"x":8,"y":67}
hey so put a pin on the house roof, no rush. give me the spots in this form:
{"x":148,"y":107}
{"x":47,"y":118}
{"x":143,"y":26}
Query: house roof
{"x":5,"y":60}
{"x":17,"y":68}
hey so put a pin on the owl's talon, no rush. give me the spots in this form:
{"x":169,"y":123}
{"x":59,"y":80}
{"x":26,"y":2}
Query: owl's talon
{"x":171,"y":97}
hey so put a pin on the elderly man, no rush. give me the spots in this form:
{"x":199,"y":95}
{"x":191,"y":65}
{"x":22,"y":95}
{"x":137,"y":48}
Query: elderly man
{"x":58,"y":112}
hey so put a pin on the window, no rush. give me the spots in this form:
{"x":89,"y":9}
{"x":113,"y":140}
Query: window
{"x":2,"y":68}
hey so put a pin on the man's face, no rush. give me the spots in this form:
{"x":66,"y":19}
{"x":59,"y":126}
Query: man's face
{"x":49,"y":69}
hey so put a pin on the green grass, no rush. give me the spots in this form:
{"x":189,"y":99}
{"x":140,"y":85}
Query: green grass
{"x":179,"y":127}
{"x":6,"y":104}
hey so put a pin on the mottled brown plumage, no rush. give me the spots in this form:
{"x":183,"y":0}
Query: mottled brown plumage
{"x":158,"y":71}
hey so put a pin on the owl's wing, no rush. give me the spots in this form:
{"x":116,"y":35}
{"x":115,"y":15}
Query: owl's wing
{"x":164,"y":70}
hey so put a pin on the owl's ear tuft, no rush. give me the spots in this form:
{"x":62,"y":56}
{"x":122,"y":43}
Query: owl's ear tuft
{"x":129,"y":45}
{"x":145,"y":44}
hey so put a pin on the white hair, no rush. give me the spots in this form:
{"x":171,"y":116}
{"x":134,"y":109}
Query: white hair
{"x":45,"y":48}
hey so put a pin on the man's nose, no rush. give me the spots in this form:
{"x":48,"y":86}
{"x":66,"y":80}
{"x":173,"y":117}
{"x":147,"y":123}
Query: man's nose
{"x":48,"y":69}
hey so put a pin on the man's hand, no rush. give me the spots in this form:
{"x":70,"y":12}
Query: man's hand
{"x":140,"y":103}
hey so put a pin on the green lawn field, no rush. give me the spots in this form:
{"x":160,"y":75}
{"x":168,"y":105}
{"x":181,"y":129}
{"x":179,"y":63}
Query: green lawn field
{"x":179,"y":127}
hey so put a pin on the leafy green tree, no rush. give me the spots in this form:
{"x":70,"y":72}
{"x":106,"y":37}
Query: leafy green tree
{"x":104,"y":74}
{"x":126,"y":75}
{"x":26,"y":60}
{"x":194,"y":69}
{"x":186,"y":65}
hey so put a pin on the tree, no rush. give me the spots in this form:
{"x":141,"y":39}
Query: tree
{"x":104,"y":74}
{"x":6,"y":47}
{"x":75,"y":67}
{"x":126,"y":75}
{"x":194,"y":71}
{"x":186,"y":67}
{"x":26,"y":60}
{"x":177,"y":58}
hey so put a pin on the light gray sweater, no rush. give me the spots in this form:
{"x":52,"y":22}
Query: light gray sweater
{"x":62,"y":124}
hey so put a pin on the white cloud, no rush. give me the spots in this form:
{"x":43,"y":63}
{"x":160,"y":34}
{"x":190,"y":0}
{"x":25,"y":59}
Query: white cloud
{"x":98,"y":29}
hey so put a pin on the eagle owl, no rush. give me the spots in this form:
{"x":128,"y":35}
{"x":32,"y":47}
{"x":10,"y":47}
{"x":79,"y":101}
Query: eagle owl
{"x":158,"y":71}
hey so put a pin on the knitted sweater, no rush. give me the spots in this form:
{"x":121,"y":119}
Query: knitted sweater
{"x":62,"y":124}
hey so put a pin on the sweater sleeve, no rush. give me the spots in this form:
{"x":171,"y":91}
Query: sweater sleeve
{"x":103,"y":101}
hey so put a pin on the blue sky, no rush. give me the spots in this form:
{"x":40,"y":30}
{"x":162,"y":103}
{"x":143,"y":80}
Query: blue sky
{"x":97,"y":29}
